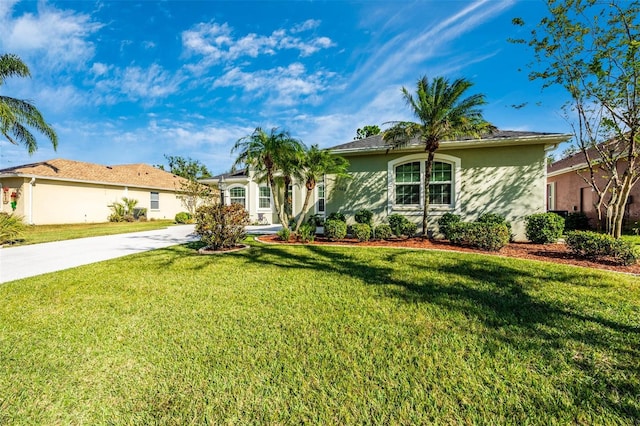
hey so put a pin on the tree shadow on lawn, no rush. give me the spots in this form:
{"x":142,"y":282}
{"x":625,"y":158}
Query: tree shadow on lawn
{"x":499,"y":296}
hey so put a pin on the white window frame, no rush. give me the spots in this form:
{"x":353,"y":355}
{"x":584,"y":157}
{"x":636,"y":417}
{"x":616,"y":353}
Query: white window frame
{"x":422,"y":158}
{"x":260,"y":197}
{"x":151,"y":201}
{"x":318,"y":198}
{"x":551,"y":196}
{"x":236,"y":187}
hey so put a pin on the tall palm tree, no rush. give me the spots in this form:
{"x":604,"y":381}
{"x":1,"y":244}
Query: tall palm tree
{"x":443,"y":114}
{"x":17,"y":115}
{"x":317,"y":163}
{"x":265,"y":153}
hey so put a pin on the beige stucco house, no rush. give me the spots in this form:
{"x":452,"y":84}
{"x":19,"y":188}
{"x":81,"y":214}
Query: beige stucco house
{"x":502,"y":173}
{"x":65,"y":191}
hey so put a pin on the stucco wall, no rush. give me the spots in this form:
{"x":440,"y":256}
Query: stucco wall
{"x":57,"y":202}
{"x":510,"y":181}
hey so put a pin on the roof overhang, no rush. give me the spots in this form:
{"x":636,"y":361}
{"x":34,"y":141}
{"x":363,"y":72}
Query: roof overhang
{"x":549,"y":141}
{"x":87,"y":182}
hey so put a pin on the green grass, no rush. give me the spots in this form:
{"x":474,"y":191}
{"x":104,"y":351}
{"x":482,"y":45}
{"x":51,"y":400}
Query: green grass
{"x":326,"y":335}
{"x":47,"y":233}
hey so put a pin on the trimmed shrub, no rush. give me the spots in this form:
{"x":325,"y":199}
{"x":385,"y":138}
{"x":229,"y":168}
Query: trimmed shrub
{"x":221,"y":226}
{"x":183,"y":217}
{"x":544,"y":228}
{"x":446,"y":222}
{"x":315,"y":220}
{"x":306,"y":233}
{"x":335,"y":229}
{"x":383,"y":232}
{"x":400,"y":225}
{"x":361,"y":231}
{"x":364,"y":216}
{"x":577,"y":221}
{"x":482,"y":235}
{"x":284,"y":234}
{"x":11,"y":227}
{"x":593,"y":245}
{"x":337,"y":216}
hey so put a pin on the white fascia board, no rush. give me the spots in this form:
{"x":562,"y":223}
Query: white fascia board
{"x":92,"y":182}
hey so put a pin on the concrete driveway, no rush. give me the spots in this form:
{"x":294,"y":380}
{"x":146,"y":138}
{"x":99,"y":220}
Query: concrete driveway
{"x":28,"y":261}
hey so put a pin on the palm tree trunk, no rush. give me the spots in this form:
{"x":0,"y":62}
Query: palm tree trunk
{"x":305,"y":207}
{"x":272,"y":185}
{"x":427,"y":181}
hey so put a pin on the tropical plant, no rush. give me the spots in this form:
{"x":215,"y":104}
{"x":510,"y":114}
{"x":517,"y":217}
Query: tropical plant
{"x":266,"y":153}
{"x":124,"y":211}
{"x":367,"y":131}
{"x":316,"y":164}
{"x":11,"y":227}
{"x":443,"y":114}
{"x":17,"y":115}
{"x":306,"y":233}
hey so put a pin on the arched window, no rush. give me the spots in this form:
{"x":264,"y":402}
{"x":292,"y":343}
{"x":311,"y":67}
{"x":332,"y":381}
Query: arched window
{"x":238,"y":195}
{"x":406,"y":182}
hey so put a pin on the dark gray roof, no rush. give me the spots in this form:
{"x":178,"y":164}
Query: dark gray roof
{"x":376,"y":142}
{"x":230,"y":175}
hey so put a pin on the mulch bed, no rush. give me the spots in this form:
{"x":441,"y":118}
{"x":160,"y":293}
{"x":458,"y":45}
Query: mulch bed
{"x":557,"y":253}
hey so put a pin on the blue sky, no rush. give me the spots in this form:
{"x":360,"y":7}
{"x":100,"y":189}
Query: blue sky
{"x":130,"y":81}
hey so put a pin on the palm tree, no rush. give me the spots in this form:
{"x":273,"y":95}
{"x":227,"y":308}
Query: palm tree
{"x":443,"y":114}
{"x":317,"y":163}
{"x":266,"y":153}
{"x":17,"y":115}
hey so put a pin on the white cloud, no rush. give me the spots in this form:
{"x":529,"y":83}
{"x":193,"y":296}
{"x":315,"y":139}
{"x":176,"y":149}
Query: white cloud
{"x":153,"y":82}
{"x":309,"y":24}
{"x":99,"y":68}
{"x":217,"y":44}
{"x":283,"y":85}
{"x":57,"y":38}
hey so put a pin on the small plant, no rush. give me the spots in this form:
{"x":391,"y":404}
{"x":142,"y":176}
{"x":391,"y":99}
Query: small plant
{"x":482,"y":235}
{"x":364,"y":216}
{"x":183,"y":217}
{"x":11,"y":227}
{"x":335,"y":229}
{"x":316,"y":220}
{"x":337,"y":216}
{"x":221,"y":227}
{"x":544,"y":228}
{"x":306,"y":233}
{"x":593,"y":245}
{"x":284,"y":234}
{"x":400,"y":225}
{"x":446,"y":222}
{"x":361,"y":231}
{"x":383,"y":232}
{"x":124,"y":211}
{"x":577,"y":221}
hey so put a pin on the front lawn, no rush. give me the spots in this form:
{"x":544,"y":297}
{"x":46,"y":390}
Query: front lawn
{"x":36,"y":234}
{"x":323,"y":335}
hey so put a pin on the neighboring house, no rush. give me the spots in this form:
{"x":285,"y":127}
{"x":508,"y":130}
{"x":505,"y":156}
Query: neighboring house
{"x":568,"y":192}
{"x":502,"y":173}
{"x":65,"y":191}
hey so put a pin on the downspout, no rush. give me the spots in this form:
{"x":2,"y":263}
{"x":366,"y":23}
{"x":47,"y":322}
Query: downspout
{"x":32,"y":183}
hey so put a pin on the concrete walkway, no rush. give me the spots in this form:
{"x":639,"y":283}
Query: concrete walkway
{"x":28,"y":261}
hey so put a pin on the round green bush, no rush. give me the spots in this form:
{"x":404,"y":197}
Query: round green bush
{"x":337,"y":216}
{"x":361,"y":231}
{"x":183,"y":217}
{"x":364,"y":216}
{"x":383,"y":232}
{"x":335,"y":229}
{"x":544,"y":228}
{"x":446,"y":222}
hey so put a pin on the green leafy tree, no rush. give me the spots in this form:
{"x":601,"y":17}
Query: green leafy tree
{"x":592,"y":49}
{"x":187,"y":168}
{"x":190,"y":192}
{"x":17,"y":115}
{"x":367,"y":131}
{"x":443,"y":113}
{"x":266,"y":154}
{"x":316,"y":164}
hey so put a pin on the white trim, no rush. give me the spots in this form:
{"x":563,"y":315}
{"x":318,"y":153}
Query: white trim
{"x":264,"y":209}
{"x":227,"y":194}
{"x":422,"y":157}
{"x":551,"y":196}
{"x":317,"y":198}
